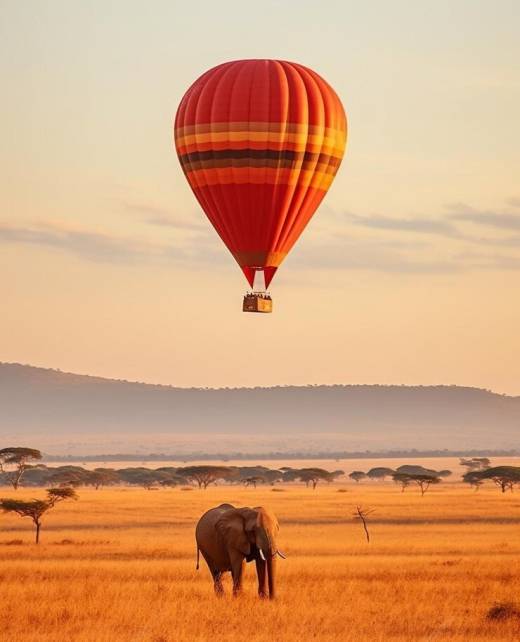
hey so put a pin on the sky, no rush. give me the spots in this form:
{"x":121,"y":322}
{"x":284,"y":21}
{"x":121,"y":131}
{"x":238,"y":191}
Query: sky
{"x":408,"y":272}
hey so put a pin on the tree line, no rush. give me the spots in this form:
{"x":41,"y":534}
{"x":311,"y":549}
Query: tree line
{"x":165,"y":476}
{"x":22,"y":466}
{"x":405,"y":475}
{"x":478,"y":470}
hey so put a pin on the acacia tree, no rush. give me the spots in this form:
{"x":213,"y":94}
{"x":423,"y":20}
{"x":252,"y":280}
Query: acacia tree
{"x":101,"y":477}
{"x":403,"y":479}
{"x":173,"y":480}
{"x":380,"y":472}
{"x":35,"y":509}
{"x":505,"y":477}
{"x":473,"y":478}
{"x":415,"y":469}
{"x":253,"y":481}
{"x":205,"y":475}
{"x":290,"y":474}
{"x":314,"y":475}
{"x":18,"y":458}
{"x":357,"y":475}
{"x":76,"y":476}
{"x":149,"y":480}
{"x":68,"y":478}
{"x":272,"y":476}
{"x":475,"y":463}
{"x":424,"y":481}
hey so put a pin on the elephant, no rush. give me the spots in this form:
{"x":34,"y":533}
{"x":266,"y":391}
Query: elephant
{"x":228,"y":537}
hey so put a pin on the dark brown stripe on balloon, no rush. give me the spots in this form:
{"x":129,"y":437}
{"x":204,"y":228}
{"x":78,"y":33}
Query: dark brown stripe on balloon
{"x":257,"y":163}
{"x":280,"y":157}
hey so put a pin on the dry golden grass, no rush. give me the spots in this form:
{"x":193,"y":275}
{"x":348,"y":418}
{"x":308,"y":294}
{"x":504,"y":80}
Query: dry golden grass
{"x":119,"y":565}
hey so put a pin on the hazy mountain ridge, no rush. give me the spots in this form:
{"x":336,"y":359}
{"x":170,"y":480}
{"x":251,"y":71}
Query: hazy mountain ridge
{"x":59,"y":407}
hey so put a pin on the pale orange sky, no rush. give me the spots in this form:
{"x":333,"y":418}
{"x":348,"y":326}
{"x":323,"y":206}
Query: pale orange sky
{"x":409,"y":271}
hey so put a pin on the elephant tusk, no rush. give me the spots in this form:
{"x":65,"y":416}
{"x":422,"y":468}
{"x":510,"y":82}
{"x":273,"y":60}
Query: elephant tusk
{"x":281,"y":555}
{"x":262,"y":554}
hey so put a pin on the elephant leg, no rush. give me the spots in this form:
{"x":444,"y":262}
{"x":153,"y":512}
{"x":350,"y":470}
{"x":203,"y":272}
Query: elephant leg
{"x":260,"y":571}
{"x":271,"y":569}
{"x":217,"y":583}
{"x":237,"y":569}
{"x":216,"y":574}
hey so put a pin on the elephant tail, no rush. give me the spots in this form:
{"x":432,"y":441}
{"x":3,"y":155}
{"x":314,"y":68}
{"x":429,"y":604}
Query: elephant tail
{"x":198,"y":556}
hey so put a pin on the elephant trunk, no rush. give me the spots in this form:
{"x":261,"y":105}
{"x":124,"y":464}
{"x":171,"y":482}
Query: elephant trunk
{"x":271,"y":569}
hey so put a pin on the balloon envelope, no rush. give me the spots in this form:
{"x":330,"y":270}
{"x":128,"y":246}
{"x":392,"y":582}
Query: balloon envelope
{"x":260,"y":142}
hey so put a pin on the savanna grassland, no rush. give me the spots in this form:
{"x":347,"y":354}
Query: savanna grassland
{"x":119,"y":565}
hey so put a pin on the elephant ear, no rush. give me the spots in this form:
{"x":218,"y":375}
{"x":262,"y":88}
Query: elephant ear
{"x":267,"y":519}
{"x":231,"y":528}
{"x":250,"y":516}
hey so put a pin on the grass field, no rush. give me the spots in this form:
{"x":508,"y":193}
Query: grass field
{"x":119,"y":565}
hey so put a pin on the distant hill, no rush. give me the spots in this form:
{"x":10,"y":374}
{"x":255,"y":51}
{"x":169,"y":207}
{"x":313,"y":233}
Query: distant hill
{"x":64,"y":412}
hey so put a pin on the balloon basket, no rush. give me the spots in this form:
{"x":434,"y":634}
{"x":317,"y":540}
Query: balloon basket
{"x":257,"y":302}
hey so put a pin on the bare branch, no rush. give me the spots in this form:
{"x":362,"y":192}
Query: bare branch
{"x":362,"y":514}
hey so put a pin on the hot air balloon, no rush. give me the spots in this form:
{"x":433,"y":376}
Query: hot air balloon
{"x":260,"y":142}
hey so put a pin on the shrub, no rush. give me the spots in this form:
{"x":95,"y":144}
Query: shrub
{"x":503,"y":611}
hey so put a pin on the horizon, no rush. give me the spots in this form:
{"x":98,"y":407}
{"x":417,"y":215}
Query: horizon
{"x":262,"y":387}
